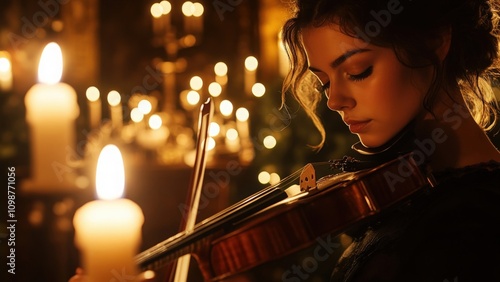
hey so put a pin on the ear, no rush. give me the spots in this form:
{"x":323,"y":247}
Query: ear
{"x":443,"y":43}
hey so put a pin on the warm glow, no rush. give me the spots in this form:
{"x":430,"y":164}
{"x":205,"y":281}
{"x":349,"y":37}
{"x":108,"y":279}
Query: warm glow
{"x":220,"y":69}
{"x":196,"y":83}
{"x":274,"y":178}
{"x":145,"y":107}
{"x":5,"y":65}
{"x":193,"y":97}
{"x":210,"y":144}
{"x":214,"y":89}
{"x":269,"y":142}
{"x":232,"y":134}
{"x":51,"y":64}
{"x":166,"y":7}
{"x":188,"y":40}
{"x":264,"y":177}
{"x":136,"y":115}
{"x":226,"y":108}
{"x":155,"y":121}
{"x":198,"y":9}
{"x":251,"y":63}
{"x":188,"y":8}
{"x":258,"y":89}
{"x":92,"y":94}
{"x":213,"y":129}
{"x":242,"y":114}
{"x":110,"y":175}
{"x":114,"y":98}
{"x":156,"y":10}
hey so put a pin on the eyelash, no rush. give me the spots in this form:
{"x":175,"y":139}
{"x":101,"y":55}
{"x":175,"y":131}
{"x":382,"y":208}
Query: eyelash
{"x":358,"y":77}
{"x":354,"y":77}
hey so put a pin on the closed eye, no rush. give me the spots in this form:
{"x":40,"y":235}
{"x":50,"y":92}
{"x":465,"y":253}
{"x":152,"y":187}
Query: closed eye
{"x":360,"y":76}
{"x":324,"y":88}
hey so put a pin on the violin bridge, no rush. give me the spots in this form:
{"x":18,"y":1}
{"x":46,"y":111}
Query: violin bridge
{"x":308,"y":178}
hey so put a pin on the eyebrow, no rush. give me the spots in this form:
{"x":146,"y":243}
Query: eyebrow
{"x":342,"y":58}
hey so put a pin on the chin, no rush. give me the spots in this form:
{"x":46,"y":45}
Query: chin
{"x":372,"y":142}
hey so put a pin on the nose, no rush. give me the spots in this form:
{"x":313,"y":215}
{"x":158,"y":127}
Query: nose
{"x":339,"y":100}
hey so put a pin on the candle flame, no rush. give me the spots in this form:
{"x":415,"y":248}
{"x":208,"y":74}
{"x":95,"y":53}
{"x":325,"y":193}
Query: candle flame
{"x":51,"y":64}
{"x":110,"y":175}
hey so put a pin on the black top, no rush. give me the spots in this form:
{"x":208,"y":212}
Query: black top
{"x":449,"y":234}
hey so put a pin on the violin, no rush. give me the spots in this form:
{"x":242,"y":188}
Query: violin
{"x":271,"y":224}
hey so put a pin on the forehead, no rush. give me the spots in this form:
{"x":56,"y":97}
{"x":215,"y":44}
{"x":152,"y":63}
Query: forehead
{"x":328,"y":41}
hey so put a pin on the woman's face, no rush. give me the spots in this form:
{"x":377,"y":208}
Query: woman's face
{"x":367,"y":85}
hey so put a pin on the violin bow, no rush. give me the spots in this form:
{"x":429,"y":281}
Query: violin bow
{"x":194,"y":193}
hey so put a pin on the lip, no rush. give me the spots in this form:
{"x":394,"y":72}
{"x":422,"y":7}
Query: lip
{"x":356,"y":126}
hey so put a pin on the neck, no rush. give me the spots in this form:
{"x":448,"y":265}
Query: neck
{"x":451,"y":138}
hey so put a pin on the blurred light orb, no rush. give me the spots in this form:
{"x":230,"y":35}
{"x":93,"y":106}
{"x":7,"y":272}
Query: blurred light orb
{"x":264,"y":177}
{"x":226,"y":108}
{"x":92,"y":93}
{"x":220,"y":69}
{"x":214,"y":89}
{"x":155,"y":121}
{"x":242,"y":114}
{"x":114,"y":98}
{"x":136,"y":115}
{"x":193,"y":97}
{"x":213,"y":129}
{"x":145,"y":107}
{"x":269,"y":142}
{"x":258,"y":89}
{"x":251,"y":63}
{"x":196,"y":83}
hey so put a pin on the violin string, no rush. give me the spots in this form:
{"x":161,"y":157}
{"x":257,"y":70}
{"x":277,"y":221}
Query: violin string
{"x":180,"y":243}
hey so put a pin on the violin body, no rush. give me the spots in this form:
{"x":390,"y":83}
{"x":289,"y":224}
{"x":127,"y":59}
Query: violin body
{"x":224,"y":248}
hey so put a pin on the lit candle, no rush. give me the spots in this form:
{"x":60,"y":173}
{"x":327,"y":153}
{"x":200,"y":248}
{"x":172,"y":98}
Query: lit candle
{"x":198,"y":10}
{"x":187,"y":11}
{"x":51,"y":110}
{"x":108,"y":230}
{"x":94,"y":102}
{"x":156,"y":11}
{"x":155,"y":136}
{"x":166,"y":9}
{"x":220,"y":70}
{"x":5,"y":72}
{"x":251,"y":64}
{"x":114,"y":101}
{"x":242,"y":116}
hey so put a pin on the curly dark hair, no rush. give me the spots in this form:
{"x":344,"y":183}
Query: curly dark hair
{"x":407,"y":26}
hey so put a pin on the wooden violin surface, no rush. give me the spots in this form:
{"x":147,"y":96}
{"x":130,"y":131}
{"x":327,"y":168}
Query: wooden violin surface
{"x":272,"y":230}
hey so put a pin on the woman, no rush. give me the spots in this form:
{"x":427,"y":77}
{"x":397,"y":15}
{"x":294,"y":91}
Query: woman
{"x":416,"y":68}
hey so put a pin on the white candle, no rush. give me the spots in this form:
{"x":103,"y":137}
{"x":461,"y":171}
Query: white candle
{"x":166,"y":9}
{"x":51,"y":110}
{"x":251,"y":64}
{"x":242,"y":116}
{"x":95,"y":110}
{"x":156,"y":11}
{"x":187,"y":11}
{"x":108,"y":230}
{"x":115,"y":108}
{"x":5,"y":72}
{"x":220,"y":70}
{"x":198,"y":10}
